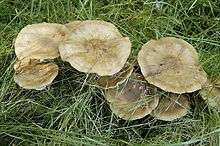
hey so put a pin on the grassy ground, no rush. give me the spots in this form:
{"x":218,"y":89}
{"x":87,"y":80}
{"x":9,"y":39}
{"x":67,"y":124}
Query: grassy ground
{"x":65,"y":115}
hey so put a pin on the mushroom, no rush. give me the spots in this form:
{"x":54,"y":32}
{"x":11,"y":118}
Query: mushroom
{"x":40,"y":41}
{"x":211,"y":94}
{"x":171,"y":64}
{"x":117,"y":79}
{"x":32,"y":74}
{"x":172,"y":107}
{"x":132,"y":100}
{"x":96,"y":47}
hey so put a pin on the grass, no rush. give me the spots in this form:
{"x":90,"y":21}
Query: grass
{"x":67,"y":113}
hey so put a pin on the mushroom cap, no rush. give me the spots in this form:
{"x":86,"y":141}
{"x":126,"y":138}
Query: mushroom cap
{"x":211,"y":94}
{"x":96,"y":47}
{"x":117,"y":79}
{"x":171,"y":107}
{"x":171,"y":64}
{"x":40,"y":41}
{"x":132,"y":100}
{"x":32,"y":74}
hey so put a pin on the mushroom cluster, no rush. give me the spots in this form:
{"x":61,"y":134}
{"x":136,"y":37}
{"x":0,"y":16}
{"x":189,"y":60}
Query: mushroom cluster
{"x":89,"y":46}
{"x":169,"y":67}
{"x":35,"y":47}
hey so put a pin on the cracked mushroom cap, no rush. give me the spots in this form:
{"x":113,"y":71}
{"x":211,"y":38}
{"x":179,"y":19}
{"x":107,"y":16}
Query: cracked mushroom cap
{"x":96,"y":47}
{"x":107,"y":82}
{"x":171,"y":64}
{"x":211,"y":94}
{"x":40,"y":41}
{"x":171,"y":107}
{"x":32,"y":74}
{"x":132,"y":100}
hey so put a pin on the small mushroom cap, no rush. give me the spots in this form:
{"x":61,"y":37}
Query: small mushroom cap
{"x":117,"y":79}
{"x":132,"y":100}
{"x":171,"y":108}
{"x":96,"y":47}
{"x":211,"y":94}
{"x":40,"y":41}
{"x":130,"y":112}
{"x":31,"y":74}
{"x":171,"y":64}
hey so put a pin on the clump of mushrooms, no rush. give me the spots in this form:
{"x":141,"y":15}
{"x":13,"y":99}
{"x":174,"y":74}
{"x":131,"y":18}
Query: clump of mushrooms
{"x":34,"y":44}
{"x":94,"y":46}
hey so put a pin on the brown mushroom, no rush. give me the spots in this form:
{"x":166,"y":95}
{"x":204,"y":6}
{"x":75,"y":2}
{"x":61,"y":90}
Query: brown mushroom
{"x":32,"y":74}
{"x":171,"y":64}
{"x":96,"y":47}
{"x":40,"y":41}
{"x":132,"y":100}
{"x":172,"y":107}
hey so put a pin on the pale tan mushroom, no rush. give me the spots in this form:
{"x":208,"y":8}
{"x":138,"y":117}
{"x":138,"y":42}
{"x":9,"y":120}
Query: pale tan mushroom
{"x":117,"y":79}
{"x":32,"y":74}
{"x":40,"y":41}
{"x":171,"y":64}
{"x":96,"y":47}
{"x":171,"y":107}
{"x":132,"y":100}
{"x":211,"y":94}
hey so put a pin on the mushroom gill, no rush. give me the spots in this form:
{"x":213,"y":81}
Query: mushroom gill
{"x":107,"y":82}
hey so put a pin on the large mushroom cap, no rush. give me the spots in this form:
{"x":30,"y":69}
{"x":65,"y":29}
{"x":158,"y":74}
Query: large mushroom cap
{"x":40,"y":41}
{"x":171,"y":108}
{"x":211,"y":94}
{"x":96,"y":47}
{"x":132,"y":100}
{"x":31,"y":74}
{"x":117,"y":79}
{"x":172,"y":65}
